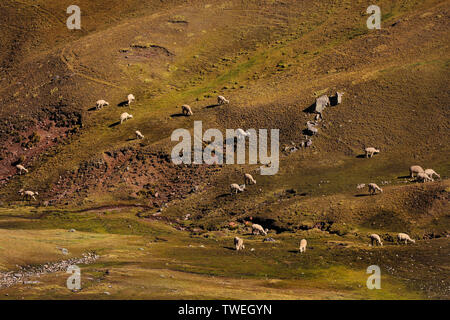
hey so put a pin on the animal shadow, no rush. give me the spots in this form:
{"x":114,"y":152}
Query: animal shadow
{"x":360,"y":156}
{"x":310,"y":109}
{"x":308,"y":133}
{"x":15,"y":163}
{"x":212,"y":106}
{"x":123,"y":104}
{"x":333,"y":101}
{"x":114,"y":124}
{"x":230,"y":248}
{"x":224,"y":195}
{"x":403,"y":177}
{"x":92,"y":109}
{"x":176,"y":115}
{"x":362,"y":195}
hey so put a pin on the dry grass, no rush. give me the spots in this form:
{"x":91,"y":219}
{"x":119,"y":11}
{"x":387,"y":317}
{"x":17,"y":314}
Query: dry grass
{"x":270,"y":59}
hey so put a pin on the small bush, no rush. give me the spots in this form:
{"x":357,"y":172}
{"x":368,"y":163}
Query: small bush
{"x":34,"y":138}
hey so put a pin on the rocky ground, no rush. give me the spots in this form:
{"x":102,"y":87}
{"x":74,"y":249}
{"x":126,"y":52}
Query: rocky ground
{"x":29,"y":274}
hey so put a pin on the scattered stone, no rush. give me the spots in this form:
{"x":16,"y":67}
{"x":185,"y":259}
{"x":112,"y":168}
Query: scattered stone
{"x":10,"y":278}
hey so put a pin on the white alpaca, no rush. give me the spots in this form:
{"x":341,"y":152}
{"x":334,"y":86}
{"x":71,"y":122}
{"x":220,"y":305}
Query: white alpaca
{"x":221,"y":100}
{"x":131,"y":99}
{"x":311,"y":127}
{"x":423,"y":177}
{"x":339,"y":97}
{"x":248,"y":179}
{"x":303,"y":244}
{"x":431,"y":172}
{"x":370,"y":151}
{"x":21,"y":168}
{"x":100,"y":104}
{"x":240,"y":133}
{"x":373,"y":188}
{"x":124,"y":117}
{"x":308,"y":143}
{"x":239,"y":244}
{"x":375,"y":238}
{"x":28,"y":194}
{"x":404,"y":237}
{"x":414,"y":170}
{"x":235,"y":188}
{"x":186,"y":110}
{"x":321,"y":103}
{"x":139,"y":135}
{"x":258,"y":229}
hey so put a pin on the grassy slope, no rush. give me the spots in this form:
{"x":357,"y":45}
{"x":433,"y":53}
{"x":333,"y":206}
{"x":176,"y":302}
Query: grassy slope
{"x":175,"y":269}
{"x":239,"y":53}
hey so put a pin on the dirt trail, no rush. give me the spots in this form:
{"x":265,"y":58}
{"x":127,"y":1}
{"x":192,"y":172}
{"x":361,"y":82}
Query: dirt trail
{"x":72,"y":68}
{"x":44,"y":13}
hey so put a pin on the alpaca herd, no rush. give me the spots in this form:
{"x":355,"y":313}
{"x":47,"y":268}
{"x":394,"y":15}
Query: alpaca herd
{"x":321,"y":103}
{"x":248,"y":180}
{"x":401,"y":237}
{"x":422,"y":175}
{"x":125,"y":116}
{"x":375,"y":239}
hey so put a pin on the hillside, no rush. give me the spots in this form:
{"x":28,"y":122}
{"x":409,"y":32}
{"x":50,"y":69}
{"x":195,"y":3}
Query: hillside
{"x":168,"y":229}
